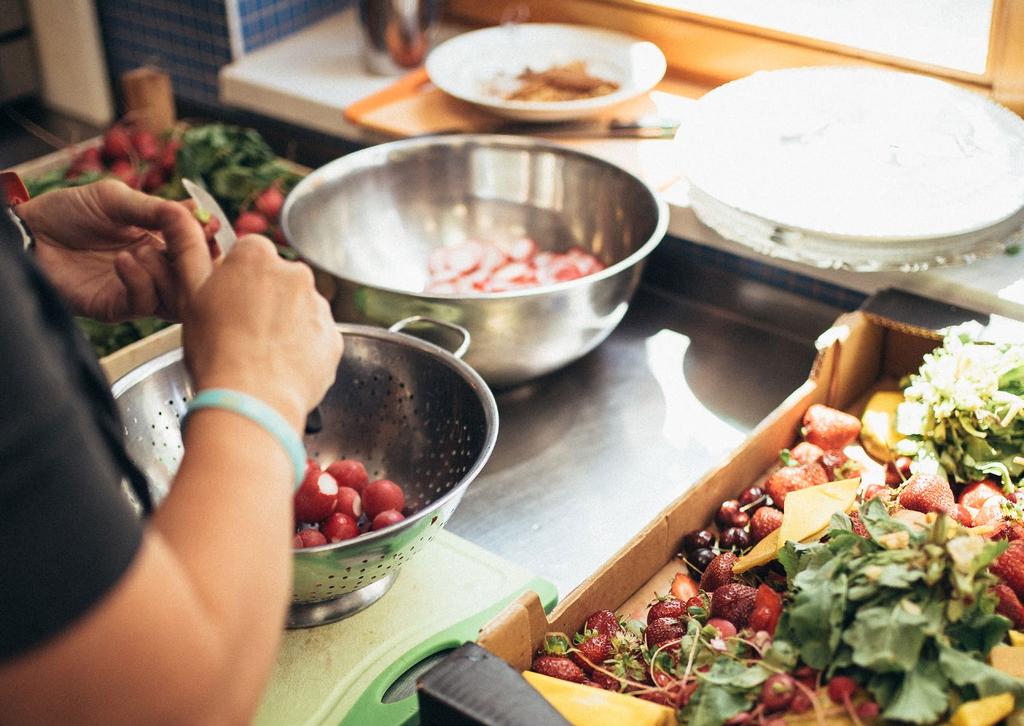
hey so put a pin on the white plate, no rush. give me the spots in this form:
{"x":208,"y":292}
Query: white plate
{"x":478,"y":65}
{"x":857,"y":155}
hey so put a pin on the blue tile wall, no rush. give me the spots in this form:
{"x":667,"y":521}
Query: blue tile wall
{"x":187,"y":38}
{"x":190,"y":38}
{"x":264,"y":21}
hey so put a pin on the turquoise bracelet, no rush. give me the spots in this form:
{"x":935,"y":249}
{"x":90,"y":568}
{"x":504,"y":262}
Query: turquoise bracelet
{"x":258,"y":412}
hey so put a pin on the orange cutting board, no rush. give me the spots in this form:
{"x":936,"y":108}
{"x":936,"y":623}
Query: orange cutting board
{"x":413,"y":105}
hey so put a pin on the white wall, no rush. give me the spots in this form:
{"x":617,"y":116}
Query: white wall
{"x":72,"y":68}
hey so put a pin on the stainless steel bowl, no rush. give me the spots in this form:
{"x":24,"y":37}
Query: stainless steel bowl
{"x":410,"y":411}
{"x":367,"y":223}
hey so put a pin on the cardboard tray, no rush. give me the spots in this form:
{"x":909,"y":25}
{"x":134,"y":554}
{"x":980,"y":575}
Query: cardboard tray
{"x":859,"y":354}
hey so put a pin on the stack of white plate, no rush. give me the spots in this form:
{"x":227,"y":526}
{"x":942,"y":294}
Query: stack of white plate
{"x":857,"y":168}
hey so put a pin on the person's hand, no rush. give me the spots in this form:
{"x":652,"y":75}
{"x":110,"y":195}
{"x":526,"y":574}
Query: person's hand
{"x":256,"y":324}
{"x":103,"y":246}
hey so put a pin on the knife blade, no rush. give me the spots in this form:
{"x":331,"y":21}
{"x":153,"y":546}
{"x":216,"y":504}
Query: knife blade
{"x":225,"y":236}
{"x":648,"y":127}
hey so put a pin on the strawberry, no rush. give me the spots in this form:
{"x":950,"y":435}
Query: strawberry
{"x":991,"y":511}
{"x":666,"y":607}
{"x":791,"y":478}
{"x":927,"y":493}
{"x":1009,"y":567}
{"x":683,"y":586}
{"x":975,"y":494}
{"x":858,"y":526}
{"x":663,"y":630}
{"x":734,"y":602}
{"x":767,"y":609}
{"x":593,"y":651}
{"x":606,"y":681}
{"x":806,"y":453}
{"x":830,"y":428}
{"x":718,"y":572}
{"x":765,"y":521}
{"x":1009,"y":605}
{"x":604,"y":621}
{"x":558,"y":666}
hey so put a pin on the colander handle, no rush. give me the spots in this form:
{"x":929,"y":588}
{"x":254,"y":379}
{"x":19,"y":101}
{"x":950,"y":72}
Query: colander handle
{"x":406,"y":322}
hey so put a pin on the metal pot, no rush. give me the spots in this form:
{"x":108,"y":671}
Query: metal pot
{"x":367,"y":223}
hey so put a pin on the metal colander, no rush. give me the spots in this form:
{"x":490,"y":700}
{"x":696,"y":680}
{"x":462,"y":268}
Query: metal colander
{"x":409,"y":410}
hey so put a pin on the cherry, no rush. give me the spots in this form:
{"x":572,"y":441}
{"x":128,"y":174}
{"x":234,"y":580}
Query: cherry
{"x":726,"y":512}
{"x":752,"y":499}
{"x":698,"y":539}
{"x":734,"y":538}
{"x":701,"y":558}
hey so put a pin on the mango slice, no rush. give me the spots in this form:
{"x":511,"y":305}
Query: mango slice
{"x":983,"y":712}
{"x":810,"y":510}
{"x":806,"y":518}
{"x":1008,"y":659}
{"x":878,"y":424}
{"x":588,"y":706}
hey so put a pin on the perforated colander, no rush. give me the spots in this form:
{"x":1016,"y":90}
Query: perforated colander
{"x":409,"y":410}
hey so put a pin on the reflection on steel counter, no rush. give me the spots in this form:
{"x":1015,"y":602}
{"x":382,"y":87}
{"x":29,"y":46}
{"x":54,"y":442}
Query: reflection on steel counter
{"x":590,"y":454}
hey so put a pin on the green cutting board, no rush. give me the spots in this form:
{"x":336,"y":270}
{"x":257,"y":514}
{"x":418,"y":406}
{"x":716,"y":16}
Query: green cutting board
{"x":338,"y":674}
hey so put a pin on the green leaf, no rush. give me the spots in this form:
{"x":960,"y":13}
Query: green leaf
{"x":713,"y":705}
{"x":887,"y":638}
{"x":963,"y":670}
{"x":923,"y":696}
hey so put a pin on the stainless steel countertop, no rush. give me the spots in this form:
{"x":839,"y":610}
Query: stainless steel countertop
{"x":587,"y":456}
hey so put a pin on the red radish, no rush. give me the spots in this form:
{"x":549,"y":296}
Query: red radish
{"x":466,"y":256}
{"x":117,"y":144}
{"x":349,"y":473}
{"x":317,"y":496}
{"x":169,"y":156}
{"x":269,"y":202}
{"x":381,"y":495}
{"x":386,"y":519}
{"x":349,"y":502}
{"x":725,"y":628}
{"x":146,"y":145}
{"x":124,"y":171}
{"x":297,"y":541}
{"x":338,"y":527}
{"x":89,"y":161}
{"x":279,"y":238}
{"x":153,"y":179}
{"x":251,"y":223}
{"x":311,"y":538}
{"x":841,"y":689}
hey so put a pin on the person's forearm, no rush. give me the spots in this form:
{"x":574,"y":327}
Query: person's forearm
{"x":228,"y":517}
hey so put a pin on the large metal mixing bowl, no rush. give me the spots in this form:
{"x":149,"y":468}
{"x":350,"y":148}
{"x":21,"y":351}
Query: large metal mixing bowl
{"x":367,"y":223}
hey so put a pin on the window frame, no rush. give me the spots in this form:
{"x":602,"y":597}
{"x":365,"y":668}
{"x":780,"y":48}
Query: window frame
{"x":704,"y":52}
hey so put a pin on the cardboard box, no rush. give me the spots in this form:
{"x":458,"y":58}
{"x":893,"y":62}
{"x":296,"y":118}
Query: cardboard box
{"x":859,"y":354}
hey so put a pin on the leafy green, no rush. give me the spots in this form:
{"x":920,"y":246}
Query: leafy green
{"x":906,"y":613}
{"x":727,"y":689}
{"x":234,"y":163}
{"x":964,"y":409}
{"x":109,"y":337}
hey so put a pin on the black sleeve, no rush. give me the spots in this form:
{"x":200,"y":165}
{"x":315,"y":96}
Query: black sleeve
{"x":67,"y":532}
